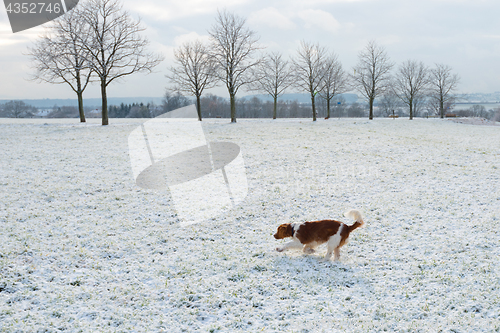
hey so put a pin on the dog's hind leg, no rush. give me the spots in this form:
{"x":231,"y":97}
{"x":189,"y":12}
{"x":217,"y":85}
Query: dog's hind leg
{"x":328,"y":254}
{"x":336,"y":256}
{"x":333,"y":245}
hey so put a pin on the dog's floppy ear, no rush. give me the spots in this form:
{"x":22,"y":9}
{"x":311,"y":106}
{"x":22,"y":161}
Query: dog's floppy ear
{"x":284,"y":230}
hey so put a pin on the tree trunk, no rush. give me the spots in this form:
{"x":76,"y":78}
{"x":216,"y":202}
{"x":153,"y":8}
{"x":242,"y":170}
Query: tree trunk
{"x":104,"y":106}
{"x":80,"y":106}
{"x":411,"y":109}
{"x":233,"y":107}
{"x":198,"y":106}
{"x":441,"y":107}
{"x":275,"y":106}
{"x":313,"y":107}
{"x":327,"y":108}
{"x":79,"y":93}
{"x":371,"y":108}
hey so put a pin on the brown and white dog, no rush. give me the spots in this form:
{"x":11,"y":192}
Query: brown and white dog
{"x":311,"y":234}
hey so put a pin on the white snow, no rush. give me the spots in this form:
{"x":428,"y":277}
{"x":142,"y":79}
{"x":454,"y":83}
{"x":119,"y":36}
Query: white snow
{"x":82,"y":248}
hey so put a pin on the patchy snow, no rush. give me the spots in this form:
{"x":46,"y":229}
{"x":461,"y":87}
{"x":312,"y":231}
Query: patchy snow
{"x":474,"y":121}
{"x":82,"y":248}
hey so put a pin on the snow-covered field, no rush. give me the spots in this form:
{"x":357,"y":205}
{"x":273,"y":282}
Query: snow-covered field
{"x":83,"y":249}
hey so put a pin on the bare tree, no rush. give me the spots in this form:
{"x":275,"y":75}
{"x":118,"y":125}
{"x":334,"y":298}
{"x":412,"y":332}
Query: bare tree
{"x":420,"y":104}
{"x":115,"y":46}
{"x":340,"y":105}
{"x":273,"y":76}
{"x":390,"y":104}
{"x":17,"y":109}
{"x":233,"y":46}
{"x":443,"y":83}
{"x":63,"y":112}
{"x":355,"y":110}
{"x":433,"y":105}
{"x":410,"y":82}
{"x":335,"y":81}
{"x":173,"y":100}
{"x":215,"y":106}
{"x":372,"y":73}
{"x":59,"y":55}
{"x":478,"y":111}
{"x":496,"y":114}
{"x":309,"y":70}
{"x":194,"y":71}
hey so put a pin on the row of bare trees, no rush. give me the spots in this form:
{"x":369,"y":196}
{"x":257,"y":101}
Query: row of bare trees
{"x":96,"y":41}
{"x":227,"y":60}
{"x":99,"y":41}
{"x":415,"y":81}
{"x":230,"y":59}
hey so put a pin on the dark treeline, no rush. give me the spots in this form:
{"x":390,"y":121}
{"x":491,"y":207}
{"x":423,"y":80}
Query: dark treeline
{"x":17,"y":109}
{"x":233,"y":57}
{"x":217,"y":107}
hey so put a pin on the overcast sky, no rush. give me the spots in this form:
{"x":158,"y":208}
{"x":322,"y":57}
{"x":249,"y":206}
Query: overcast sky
{"x":464,"y":34}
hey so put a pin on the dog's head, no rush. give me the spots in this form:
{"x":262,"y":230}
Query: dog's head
{"x":284,"y":230}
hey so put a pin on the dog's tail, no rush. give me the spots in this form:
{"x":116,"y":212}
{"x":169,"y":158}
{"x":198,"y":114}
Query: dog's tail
{"x":356,"y":216}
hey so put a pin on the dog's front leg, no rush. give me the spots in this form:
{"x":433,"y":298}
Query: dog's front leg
{"x":294,"y":244}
